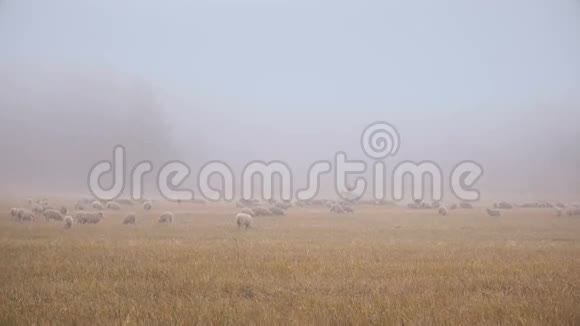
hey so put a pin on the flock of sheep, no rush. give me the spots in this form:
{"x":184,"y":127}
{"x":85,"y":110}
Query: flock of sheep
{"x":88,"y":211}
{"x":496,"y":211}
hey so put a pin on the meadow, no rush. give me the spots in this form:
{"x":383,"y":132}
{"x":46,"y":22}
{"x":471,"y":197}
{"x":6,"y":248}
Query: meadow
{"x":381,"y":265}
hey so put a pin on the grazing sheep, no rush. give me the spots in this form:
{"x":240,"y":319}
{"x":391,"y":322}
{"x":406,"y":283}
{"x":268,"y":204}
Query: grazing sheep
{"x":63,"y":210}
{"x":244,"y":220}
{"x":466,"y":205}
{"x":130,"y":219}
{"x":493,"y":212}
{"x":537,"y":205}
{"x":147,"y":205}
{"x":53,"y":214}
{"x":348,"y":209}
{"x":25,"y":215}
{"x":247,"y":203}
{"x":97,"y":205}
{"x":283,"y":206}
{"x":15,"y":212}
{"x":249,"y":211}
{"x":166,"y":218}
{"x":443,"y":211}
{"x":426,"y":206}
{"x":337,"y":209}
{"x":20,"y":212}
{"x":529,"y":205}
{"x":89,"y":217}
{"x":261,"y":211}
{"x":503,"y":205}
{"x":413,"y":206}
{"x":38,"y":209}
{"x":68,"y":222}
{"x":277,"y":211}
{"x":113,"y":205}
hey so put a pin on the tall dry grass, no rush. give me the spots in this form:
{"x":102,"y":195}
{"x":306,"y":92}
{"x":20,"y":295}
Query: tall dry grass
{"x":378,"y":266}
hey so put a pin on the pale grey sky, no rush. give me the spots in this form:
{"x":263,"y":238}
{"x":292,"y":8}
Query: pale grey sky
{"x":496,"y":81}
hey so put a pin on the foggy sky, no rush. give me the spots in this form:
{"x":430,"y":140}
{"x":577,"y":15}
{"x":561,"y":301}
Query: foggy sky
{"x":497,"y":82}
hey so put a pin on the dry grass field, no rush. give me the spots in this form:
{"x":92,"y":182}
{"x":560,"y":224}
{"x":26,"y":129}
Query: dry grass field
{"x":378,"y":266}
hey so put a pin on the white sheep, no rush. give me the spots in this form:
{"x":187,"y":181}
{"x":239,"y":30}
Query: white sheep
{"x":426,"y":206}
{"x":277,"y":211}
{"x":166,"y":217}
{"x":113,"y":205}
{"x":283,"y":205}
{"x":413,"y":206}
{"x":97,"y":205}
{"x":560,"y":205}
{"x":89,"y":217}
{"x":68,"y":222}
{"x":147,"y":205}
{"x":130,"y":219}
{"x":25,"y":216}
{"x":466,"y":205}
{"x":53,"y":214}
{"x":493,"y":212}
{"x":244,"y":220}
{"x":337,"y":209}
{"x":503,"y":205}
{"x":443,"y":211}
{"x":38,"y":209}
{"x":261,"y":211}
{"x":15,"y":212}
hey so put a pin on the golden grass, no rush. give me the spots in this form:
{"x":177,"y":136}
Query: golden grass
{"x":378,"y":266}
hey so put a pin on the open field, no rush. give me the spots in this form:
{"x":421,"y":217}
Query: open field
{"x":378,"y":266}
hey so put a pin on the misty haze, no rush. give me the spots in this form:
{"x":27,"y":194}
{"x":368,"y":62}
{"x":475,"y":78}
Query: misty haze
{"x":490,"y":82}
